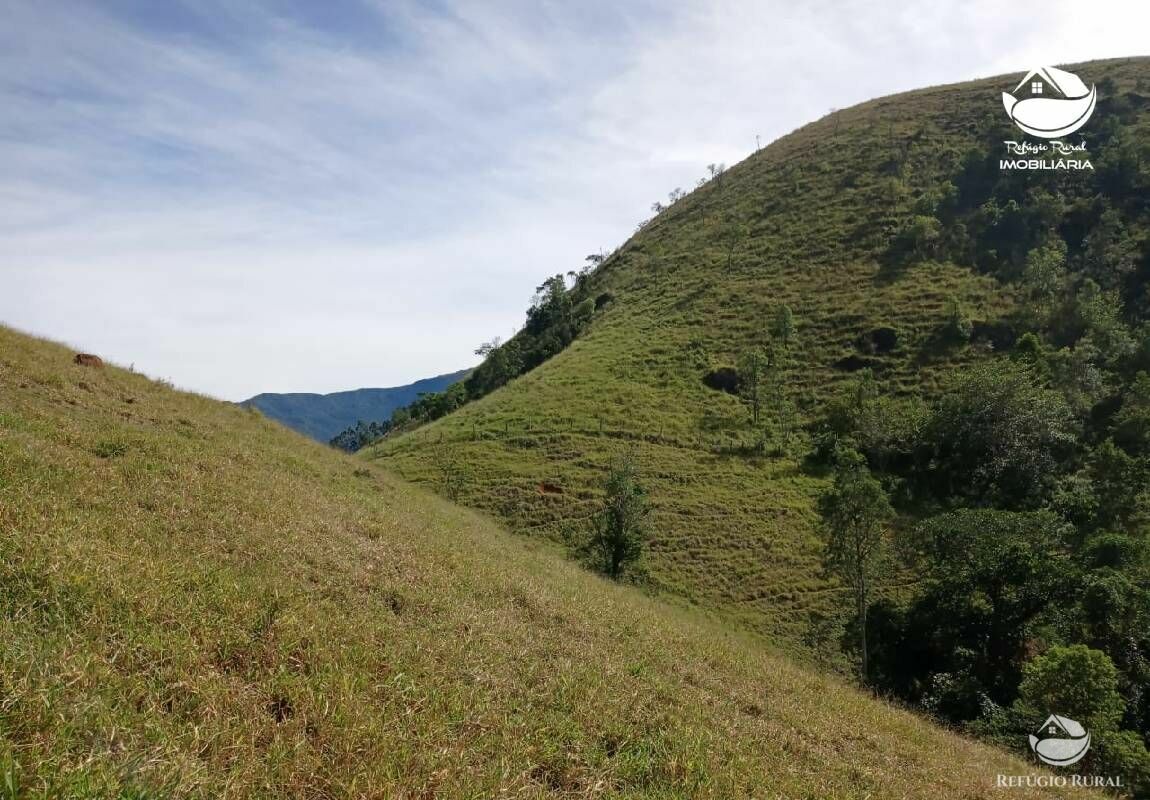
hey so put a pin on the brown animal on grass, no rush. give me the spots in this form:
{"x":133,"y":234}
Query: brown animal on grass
{"x":550,"y":488}
{"x":88,"y":360}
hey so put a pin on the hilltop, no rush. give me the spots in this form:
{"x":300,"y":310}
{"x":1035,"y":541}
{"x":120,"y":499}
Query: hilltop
{"x":881,"y":229}
{"x":197,"y":603}
{"x":322,"y":416}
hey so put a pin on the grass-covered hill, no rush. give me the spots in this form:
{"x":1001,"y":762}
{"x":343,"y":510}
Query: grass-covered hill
{"x":195,"y":602}
{"x":897,"y":245}
{"x":322,"y":416}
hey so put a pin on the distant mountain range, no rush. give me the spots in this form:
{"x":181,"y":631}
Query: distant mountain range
{"x":322,"y":416}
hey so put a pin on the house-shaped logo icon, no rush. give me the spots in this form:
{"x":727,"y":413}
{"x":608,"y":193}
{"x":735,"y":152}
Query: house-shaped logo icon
{"x":1060,"y":741}
{"x":1050,"y":102}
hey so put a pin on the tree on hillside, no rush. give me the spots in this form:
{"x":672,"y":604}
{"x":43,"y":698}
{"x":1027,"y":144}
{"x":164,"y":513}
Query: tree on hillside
{"x":855,"y":513}
{"x":918,"y":239}
{"x":1077,"y":681}
{"x":997,"y":437}
{"x":1099,"y":314}
{"x":753,"y":368}
{"x":619,"y":529}
{"x":886,"y":430}
{"x":453,"y":474}
{"x":485,"y":349}
{"x":784,"y":326}
{"x":1110,"y":253}
{"x":988,"y":577}
{"x":730,"y":233}
{"x":958,"y":326}
{"x":1044,"y":279}
{"x":1132,"y":422}
{"x":784,"y":409}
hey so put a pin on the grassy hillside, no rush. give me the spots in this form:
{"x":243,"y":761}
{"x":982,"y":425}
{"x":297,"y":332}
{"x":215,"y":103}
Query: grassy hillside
{"x":322,"y":416}
{"x":814,"y":218}
{"x":195,"y":602}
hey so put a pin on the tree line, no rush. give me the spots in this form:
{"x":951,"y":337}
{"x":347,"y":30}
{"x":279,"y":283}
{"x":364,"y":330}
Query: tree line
{"x":561,"y":309}
{"x":1018,"y":498}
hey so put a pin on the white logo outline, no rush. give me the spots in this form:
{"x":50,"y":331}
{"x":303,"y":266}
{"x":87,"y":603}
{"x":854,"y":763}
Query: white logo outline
{"x":1057,"y":103}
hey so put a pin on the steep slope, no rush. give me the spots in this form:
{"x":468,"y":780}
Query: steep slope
{"x":322,"y":416}
{"x":811,"y":222}
{"x":194,"y":603}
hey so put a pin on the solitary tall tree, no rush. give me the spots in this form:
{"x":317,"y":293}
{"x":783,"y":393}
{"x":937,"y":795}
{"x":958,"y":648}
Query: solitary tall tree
{"x":784,"y":408}
{"x":733,"y":235}
{"x":785,"y":326}
{"x":753,"y":367}
{"x":855,"y":513}
{"x":619,"y":530}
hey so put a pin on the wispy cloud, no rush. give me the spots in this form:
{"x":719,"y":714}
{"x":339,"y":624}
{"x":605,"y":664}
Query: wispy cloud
{"x":285,"y":195}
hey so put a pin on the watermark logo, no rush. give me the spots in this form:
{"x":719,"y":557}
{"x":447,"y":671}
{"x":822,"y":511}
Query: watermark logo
{"x":1050,"y":103}
{"x":1060,"y":741}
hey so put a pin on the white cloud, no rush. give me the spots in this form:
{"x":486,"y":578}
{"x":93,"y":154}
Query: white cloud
{"x":260,"y":204}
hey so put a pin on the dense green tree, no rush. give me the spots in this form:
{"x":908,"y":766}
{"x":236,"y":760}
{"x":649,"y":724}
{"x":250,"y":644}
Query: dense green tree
{"x":855,"y":513}
{"x":958,"y":326}
{"x":996,"y":437}
{"x":1045,"y":279}
{"x":754,"y":365}
{"x":1132,"y":422}
{"x":987,"y":577}
{"x":1121,"y":166}
{"x":784,"y":327}
{"x":1110,"y":253}
{"x":1082,"y":683}
{"x":1120,"y":483}
{"x":1075,"y":681}
{"x":1100,"y":315}
{"x":919,"y":238}
{"x":619,"y":530}
{"x":886,"y":430}
{"x":1043,"y":457}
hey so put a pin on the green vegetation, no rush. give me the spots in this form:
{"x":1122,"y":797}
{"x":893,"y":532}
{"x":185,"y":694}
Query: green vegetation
{"x":360,"y":435}
{"x":1085,"y":684}
{"x":557,"y":315}
{"x":855,"y":513}
{"x":1080,"y":682}
{"x":619,"y":531}
{"x":222,"y":608}
{"x":733,"y":521}
{"x":979,"y":337}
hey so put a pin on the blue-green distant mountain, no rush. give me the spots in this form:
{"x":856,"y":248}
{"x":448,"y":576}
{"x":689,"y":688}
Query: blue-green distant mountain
{"x":322,"y":416}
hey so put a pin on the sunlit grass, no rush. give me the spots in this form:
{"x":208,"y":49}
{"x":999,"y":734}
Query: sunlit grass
{"x":195,"y":602}
{"x":730,"y":532}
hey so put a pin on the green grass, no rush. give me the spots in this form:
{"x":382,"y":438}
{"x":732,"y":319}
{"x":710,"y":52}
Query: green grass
{"x":732,"y":533}
{"x":195,"y":602}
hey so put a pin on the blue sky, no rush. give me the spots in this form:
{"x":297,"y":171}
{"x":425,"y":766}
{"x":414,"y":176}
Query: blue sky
{"x":247,"y":195}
